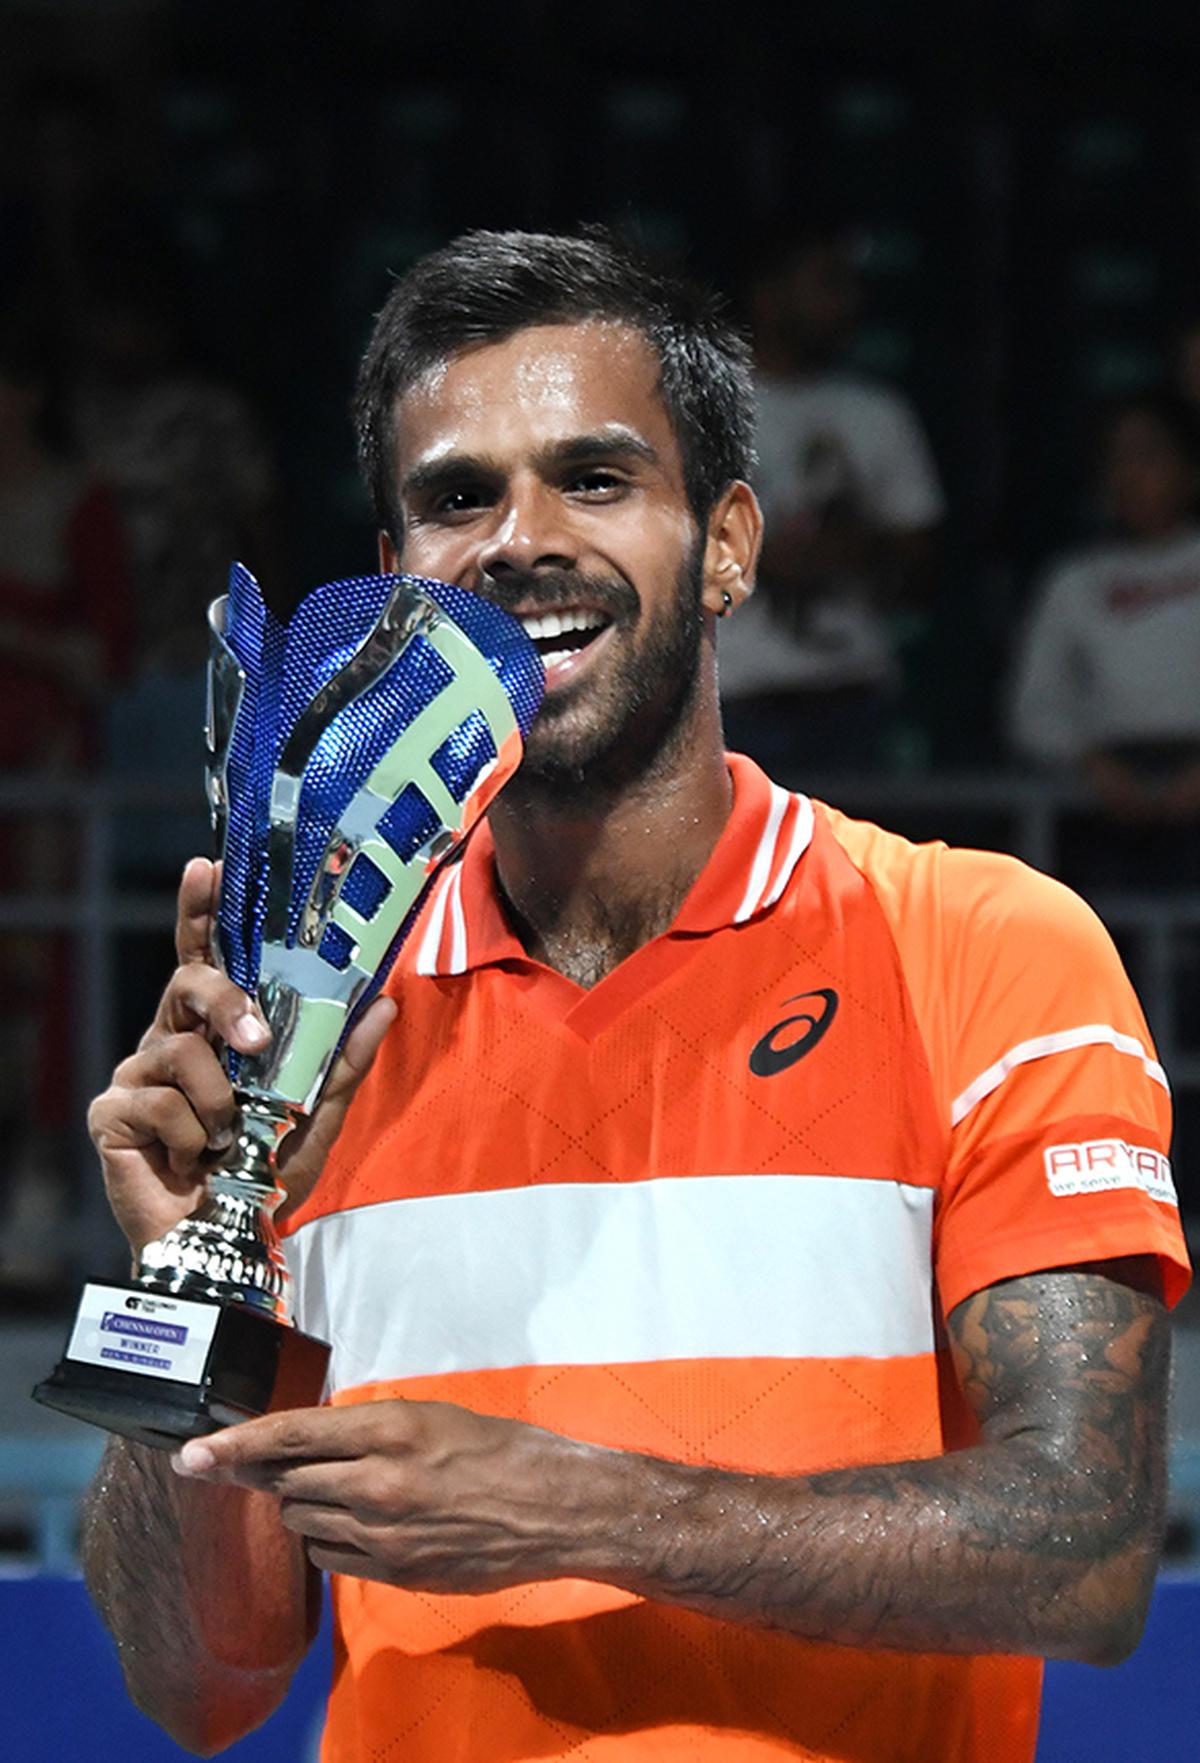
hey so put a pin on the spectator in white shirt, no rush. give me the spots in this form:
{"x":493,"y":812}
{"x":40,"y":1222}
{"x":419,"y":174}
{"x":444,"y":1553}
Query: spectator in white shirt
{"x":852,"y":503}
{"x":1108,"y":673}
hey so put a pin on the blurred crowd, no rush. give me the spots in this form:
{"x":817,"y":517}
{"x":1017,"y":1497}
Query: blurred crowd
{"x":131,"y":474}
{"x":129,"y":480}
{"x":1102,"y":680}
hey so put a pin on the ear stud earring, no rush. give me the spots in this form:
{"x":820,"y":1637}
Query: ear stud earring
{"x":727,"y":608}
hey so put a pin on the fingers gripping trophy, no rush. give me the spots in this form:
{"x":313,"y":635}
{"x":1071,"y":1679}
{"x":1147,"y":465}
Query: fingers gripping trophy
{"x":350,"y":752}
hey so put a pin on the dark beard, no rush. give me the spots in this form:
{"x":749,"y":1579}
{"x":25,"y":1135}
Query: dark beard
{"x":647,"y":713}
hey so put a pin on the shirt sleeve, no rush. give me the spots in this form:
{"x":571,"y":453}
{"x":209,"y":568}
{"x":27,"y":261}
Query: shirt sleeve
{"x":1059,"y":1110}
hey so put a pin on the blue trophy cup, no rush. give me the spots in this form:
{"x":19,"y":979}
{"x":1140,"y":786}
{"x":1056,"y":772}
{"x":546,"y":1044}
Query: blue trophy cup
{"x":350,"y":752}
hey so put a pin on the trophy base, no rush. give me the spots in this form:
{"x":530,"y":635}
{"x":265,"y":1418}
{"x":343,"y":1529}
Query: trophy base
{"x":162,"y":1369}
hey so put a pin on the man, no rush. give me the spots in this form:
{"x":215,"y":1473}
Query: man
{"x":853,"y":507}
{"x":1106,"y":672}
{"x":717,"y":1477}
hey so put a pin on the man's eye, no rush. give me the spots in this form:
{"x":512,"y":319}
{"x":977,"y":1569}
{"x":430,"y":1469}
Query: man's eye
{"x":461,"y":501}
{"x":597,"y":482}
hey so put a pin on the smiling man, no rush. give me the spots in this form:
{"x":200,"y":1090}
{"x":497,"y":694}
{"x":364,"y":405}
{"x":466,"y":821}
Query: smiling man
{"x":744,"y":1236}
{"x":586,"y":535}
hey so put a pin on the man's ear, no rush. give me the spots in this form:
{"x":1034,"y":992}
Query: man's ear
{"x":731,"y":550}
{"x":389,"y":557}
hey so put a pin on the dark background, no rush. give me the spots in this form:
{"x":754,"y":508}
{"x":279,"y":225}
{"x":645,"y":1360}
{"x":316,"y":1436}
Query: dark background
{"x":1023,"y":180}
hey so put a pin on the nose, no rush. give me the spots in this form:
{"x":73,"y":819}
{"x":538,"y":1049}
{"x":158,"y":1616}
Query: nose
{"x":531,"y":532}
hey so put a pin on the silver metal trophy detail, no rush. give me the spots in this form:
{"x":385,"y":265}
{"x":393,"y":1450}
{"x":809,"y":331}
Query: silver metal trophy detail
{"x":349,"y":752}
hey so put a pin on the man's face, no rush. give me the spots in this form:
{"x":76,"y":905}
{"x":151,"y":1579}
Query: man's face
{"x":543,"y":472}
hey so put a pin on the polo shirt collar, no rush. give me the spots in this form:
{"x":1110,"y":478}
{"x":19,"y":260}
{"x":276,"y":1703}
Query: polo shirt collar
{"x":768,"y":831}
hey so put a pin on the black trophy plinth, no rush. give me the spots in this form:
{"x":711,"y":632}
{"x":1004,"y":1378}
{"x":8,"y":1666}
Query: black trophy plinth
{"x":162,"y":1369}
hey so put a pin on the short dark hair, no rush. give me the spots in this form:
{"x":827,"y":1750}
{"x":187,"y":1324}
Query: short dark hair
{"x":485,"y":286}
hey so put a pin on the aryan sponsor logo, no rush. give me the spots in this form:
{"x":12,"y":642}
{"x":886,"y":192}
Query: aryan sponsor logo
{"x":1097,"y":1165}
{"x":780,"y":1047}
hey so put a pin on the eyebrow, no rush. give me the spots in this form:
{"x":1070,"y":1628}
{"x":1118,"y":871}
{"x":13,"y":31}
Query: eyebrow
{"x":450,"y":468}
{"x":614,"y":441}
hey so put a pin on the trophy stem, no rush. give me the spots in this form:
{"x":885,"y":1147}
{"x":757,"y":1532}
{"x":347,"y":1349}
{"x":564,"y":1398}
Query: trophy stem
{"x":228,"y":1249}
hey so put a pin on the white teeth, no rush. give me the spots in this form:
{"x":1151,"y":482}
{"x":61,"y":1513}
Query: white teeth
{"x":555,"y":656}
{"x":556,"y":624}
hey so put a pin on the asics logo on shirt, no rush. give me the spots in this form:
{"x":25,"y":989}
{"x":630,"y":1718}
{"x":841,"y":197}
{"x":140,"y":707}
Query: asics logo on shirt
{"x":781,"y":1046}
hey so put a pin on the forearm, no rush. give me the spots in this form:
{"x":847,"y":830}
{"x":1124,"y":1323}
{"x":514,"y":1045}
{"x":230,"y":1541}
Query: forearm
{"x":209,"y":1599}
{"x":993,"y":1549}
{"x":1044,"y":1538}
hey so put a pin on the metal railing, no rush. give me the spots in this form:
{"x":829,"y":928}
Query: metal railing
{"x":99,"y":907}
{"x":93,"y":913}
{"x":1026,"y":816}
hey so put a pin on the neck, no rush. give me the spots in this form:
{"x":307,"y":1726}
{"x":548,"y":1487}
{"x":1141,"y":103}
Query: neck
{"x":588,"y":883}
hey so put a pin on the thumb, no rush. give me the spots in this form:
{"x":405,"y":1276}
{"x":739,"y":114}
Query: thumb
{"x":353,"y":1063}
{"x":358,"y":1055}
{"x":194,"y":911}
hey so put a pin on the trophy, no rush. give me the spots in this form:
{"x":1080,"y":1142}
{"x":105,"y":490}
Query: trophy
{"x":349,"y":754}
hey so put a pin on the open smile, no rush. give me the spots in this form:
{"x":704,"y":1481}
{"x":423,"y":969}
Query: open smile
{"x":564,"y":637}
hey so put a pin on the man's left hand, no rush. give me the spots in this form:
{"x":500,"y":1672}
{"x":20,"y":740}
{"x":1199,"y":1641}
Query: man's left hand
{"x":418,"y":1494}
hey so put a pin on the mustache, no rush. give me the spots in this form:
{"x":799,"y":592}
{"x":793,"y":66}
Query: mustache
{"x":549,"y":590}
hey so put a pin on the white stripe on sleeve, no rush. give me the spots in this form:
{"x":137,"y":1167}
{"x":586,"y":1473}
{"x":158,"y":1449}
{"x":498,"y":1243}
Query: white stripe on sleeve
{"x":1067,"y":1040}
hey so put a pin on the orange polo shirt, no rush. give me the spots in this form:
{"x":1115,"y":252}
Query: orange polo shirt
{"x":715,"y":1209}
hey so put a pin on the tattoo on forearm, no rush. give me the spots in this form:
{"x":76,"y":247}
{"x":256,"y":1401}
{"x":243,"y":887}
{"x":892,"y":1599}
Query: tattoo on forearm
{"x":1043,"y":1537}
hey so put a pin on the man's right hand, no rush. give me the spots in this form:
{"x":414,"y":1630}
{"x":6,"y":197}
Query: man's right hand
{"x":170,"y":1111}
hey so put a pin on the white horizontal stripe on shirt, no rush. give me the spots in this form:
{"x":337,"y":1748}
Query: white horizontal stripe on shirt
{"x":1067,"y":1040}
{"x":687,"y":1267}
